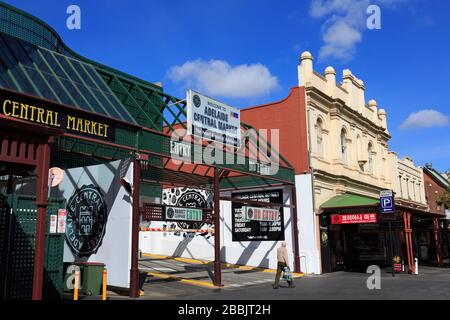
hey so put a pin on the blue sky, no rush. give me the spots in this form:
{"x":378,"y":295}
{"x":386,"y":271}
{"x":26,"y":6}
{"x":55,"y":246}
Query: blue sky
{"x":245,"y":52}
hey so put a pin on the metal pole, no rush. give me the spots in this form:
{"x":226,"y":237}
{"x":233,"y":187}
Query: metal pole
{"x":295,"y":222}
{"x":391,"y":253}
{"x":408,"y":244}
{"x":41,"y":202}
{"x":217,"y":261}
{"x":437,"y":240}
{"x":76,"y":285}
{"x":104,"y":284}
{"x":134,"y":271}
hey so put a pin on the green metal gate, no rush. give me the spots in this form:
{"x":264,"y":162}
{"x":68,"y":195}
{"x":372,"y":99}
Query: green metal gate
{"x":17,"y":241}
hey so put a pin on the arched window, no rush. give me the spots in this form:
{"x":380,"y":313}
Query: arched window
{"x":359,"y":152}
{"x":319,"y":137}
{"x":370,"y":157}
{"x":344,"y":145}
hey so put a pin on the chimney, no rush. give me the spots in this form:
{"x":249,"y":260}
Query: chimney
{"x":305,"y":68}
{"x":382,"y":117}
{"x":330,"y":76}
{"x":374,"y":107}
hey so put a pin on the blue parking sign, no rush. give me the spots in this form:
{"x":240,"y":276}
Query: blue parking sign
{"x":387,"y":201}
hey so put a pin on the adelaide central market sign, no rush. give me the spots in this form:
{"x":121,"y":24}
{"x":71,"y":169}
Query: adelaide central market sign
{"x":212,"y":120}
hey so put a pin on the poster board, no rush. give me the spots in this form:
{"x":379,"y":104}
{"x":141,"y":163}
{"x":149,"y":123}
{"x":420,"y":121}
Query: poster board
{"x":246,"y":229}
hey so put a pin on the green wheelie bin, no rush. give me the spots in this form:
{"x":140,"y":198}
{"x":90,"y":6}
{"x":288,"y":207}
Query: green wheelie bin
{"x":91,"y":277}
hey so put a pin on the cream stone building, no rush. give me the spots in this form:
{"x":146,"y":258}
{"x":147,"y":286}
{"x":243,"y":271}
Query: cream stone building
{"x":337,"y":143}
{"x":408,"y":182}
{"x":348,"y":137}
{"x":349,"y":159}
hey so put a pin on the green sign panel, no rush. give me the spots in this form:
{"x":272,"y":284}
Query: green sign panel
{"x":183,"y":214}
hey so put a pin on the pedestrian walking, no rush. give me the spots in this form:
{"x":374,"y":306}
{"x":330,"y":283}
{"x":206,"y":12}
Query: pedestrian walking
{"x":283,"y":266}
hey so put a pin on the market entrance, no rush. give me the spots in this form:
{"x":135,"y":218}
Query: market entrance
{"x":202,"y":231}
{"x":25,"y":153}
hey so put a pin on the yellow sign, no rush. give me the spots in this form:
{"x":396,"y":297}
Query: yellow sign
{"x":71,"y":121}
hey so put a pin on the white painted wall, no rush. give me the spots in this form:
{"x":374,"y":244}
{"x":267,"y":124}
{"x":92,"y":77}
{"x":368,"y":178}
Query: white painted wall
{"x":309,"y":251}
{"x":115,"y":249}
{"x":251,"y":253}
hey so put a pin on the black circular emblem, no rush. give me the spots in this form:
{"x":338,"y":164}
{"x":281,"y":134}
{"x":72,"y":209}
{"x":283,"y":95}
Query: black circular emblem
{"x":170,"y":213}
{"x":197,"y":101}
{"x":250,"y":214}
{"x":86,"y":220}
{"x":192,"y":199}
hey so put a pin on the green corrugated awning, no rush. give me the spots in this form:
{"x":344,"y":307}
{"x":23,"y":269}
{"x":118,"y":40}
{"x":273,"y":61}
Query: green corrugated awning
{"x":33,"y":70}
{"x":349,"y":200}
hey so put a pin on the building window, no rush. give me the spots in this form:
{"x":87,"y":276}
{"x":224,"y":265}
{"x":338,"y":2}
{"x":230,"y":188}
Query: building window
{"x":359,"y":152}
{"x":319,"y":136}
{"x":370,"y":157}
{"x":344,"y":145}
{"x":420,"y":193}
{"x":408,"y":193}
{"x":400,"y":184}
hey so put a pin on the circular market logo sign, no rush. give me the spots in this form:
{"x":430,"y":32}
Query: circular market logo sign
{"x":197,"y":101}
{"x":192,"y":199}
{"x":86,"y":220}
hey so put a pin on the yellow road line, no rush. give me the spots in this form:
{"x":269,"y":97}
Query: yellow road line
{"x":183,"y":280}
{"x":225,"y":265}
{"x":188,"y":260}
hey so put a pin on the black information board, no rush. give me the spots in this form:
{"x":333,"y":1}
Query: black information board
{"x":247,"y":230}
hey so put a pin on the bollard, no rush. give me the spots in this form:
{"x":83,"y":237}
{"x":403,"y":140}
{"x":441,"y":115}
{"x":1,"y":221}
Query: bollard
{"x":104,"y":285}
{"x":416,"y":266}
{"x":76,"y":285}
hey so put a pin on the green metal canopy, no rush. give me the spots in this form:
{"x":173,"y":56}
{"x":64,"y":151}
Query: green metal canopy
{"x":349,"y":200}
{"x":35,"y":61}
{"x":33,"y":70}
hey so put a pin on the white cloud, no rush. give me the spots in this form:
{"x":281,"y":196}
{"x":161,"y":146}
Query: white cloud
{"x":219,"y":78}
{"x":339,"y":41}
{"x":345,"y":21}
{"x":427,"y":118}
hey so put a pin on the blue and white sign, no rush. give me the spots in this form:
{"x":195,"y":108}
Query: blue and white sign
{"x":387,"y":201}
{"x":212,"y":120}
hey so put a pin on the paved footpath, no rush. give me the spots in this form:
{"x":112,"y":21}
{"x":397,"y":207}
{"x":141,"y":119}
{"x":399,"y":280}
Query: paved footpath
{"x":430,"y":284}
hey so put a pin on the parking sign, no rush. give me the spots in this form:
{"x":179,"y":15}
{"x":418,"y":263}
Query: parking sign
{"x":387,"y":201}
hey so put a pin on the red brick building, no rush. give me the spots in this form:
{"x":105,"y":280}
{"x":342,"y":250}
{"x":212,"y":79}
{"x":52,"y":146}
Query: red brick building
{"x":435,"y":186}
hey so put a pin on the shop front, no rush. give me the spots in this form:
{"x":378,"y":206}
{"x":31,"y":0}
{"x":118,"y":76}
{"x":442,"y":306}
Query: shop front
{"x":355,"y":235}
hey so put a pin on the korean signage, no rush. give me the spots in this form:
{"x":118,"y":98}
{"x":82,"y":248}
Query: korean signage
{"x":183,"y":214}
{"x":212,"y":120}
{"x":56,"y":116}
{"x":387,"y":201}
{"x":354,"y":218}
{"x":251,"y":223}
